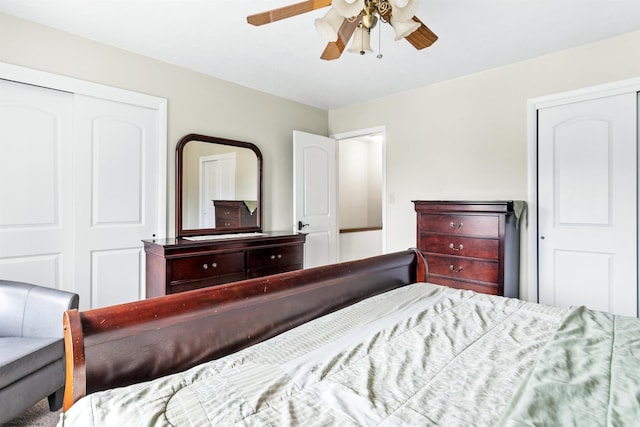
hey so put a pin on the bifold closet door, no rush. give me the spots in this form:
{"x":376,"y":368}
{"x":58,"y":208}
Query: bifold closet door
{"x":587,"y":204}
{"x":78,"y":192}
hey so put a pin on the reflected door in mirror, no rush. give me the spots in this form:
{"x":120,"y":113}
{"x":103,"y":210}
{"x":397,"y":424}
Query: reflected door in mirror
{"x":217,"y":181}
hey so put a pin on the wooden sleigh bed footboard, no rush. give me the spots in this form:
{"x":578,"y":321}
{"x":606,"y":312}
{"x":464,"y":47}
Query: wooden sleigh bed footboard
{"x":139,"y":341}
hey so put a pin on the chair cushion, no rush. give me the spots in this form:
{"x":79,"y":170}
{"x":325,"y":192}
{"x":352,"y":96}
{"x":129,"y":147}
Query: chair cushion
{"x":20,"y":357}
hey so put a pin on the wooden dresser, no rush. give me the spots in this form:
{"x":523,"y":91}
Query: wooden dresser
{"x":233,"y":213}
{"x":179,"y":264}
{"x":471,"y":245}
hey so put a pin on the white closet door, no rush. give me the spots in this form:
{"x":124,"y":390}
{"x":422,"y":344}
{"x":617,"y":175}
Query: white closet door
{"x":587,"y":202}
{"x":116,"y":165}
{"x":36,"y":205}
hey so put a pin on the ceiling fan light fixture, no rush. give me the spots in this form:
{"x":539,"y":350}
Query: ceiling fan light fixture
{"x":348,"y":8}
{"x":329,"y":25}
{"x":403,"y":10}
{"x":361,"y":41}
{"x":403,"y":28}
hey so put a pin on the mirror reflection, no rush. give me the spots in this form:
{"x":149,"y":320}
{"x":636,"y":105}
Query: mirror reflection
{"x":219,"y":186}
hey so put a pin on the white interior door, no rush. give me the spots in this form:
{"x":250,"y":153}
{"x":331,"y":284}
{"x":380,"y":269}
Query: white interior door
{"x":36,"y":204}
{"x":116,"y":169}
{"x":587,"y":204}
{"x":217,"y":182}
{"x":315,"y":196}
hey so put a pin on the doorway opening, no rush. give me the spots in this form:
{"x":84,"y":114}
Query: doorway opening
{"x":361,"y":188}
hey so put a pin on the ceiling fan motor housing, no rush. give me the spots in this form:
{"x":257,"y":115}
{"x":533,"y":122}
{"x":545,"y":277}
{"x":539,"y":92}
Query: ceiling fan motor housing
{"x":369,"y":19}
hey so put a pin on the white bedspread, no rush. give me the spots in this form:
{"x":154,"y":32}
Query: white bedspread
{"x":418,"y":355}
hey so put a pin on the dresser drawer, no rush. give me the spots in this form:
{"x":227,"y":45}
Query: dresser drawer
{"x":206,"y":266}
{"x":457,"y":245}
{"x":260,"y":272}
{"x":227,"y":212}
{"x":227,"y":217}
{"x":274,"y":257}
{"x":467,"y":225}
{"x":227,"y":222}
{"x":463,"y":268}
{"x":482,"y":287}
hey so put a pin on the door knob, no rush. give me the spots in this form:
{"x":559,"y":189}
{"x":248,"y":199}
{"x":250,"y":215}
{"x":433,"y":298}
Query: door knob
{"x":301,"y":225}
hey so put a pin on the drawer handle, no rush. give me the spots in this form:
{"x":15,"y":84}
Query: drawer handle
{"x":276,"y":256}
{"x":214,"y":264}
{"x":452,"y":246}
{"x":454,"y":269}
{"x":456,"y":226}
{"x":205,"y":266}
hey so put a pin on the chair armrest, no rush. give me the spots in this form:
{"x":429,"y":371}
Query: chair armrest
{"x":34,"y":311}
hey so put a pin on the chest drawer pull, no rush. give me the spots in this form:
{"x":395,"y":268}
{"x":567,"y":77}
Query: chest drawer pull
{"x":459,"y":248}
{"x":276,"y":256}
{"x":214,"y":264}
{"x":454,"y":269}
{"x":456,"y":226}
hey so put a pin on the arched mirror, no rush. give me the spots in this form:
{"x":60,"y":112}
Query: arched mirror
{"x":218,"y":186}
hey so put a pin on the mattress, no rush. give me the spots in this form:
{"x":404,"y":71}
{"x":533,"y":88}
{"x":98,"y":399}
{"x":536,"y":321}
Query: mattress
{"x":418,"y":355}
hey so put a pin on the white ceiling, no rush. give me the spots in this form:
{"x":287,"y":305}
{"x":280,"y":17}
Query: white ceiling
{"x":283,"y":58}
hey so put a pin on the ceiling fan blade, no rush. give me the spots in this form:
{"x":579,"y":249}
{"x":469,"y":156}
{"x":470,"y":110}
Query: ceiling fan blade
{"x":287,"y":11}
{"x":422,"y":37}
{"x":335,"y":49}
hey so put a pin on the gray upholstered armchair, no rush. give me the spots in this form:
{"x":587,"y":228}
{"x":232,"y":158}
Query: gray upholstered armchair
{"x":32,"y":363}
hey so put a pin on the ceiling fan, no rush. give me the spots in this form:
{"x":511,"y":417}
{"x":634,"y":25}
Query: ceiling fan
{"x":347,"y":17}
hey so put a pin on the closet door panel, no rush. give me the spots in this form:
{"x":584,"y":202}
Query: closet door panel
{"x":117,"y":151}
{"x":36,"y":205}
{"x":117,"y":171}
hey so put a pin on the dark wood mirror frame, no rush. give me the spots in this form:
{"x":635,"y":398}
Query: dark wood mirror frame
{"x":180,"y":230}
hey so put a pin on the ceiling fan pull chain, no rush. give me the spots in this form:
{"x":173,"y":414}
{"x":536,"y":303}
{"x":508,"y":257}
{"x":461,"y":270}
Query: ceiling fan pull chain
{"x":379,"y":56}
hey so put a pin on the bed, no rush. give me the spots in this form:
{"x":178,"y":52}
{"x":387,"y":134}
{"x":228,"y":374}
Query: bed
{"x":367,"y":342}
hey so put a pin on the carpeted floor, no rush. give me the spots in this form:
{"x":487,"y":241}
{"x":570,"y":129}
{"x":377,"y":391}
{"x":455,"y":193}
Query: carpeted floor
{"x":38,"y":415}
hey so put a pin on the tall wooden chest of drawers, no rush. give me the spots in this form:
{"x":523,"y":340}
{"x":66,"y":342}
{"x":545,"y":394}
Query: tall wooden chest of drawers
{"x":471,"y":245}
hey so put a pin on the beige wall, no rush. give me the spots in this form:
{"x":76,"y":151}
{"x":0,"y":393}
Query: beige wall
{"x":196,"y":103}
{"x":467,"y":138}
